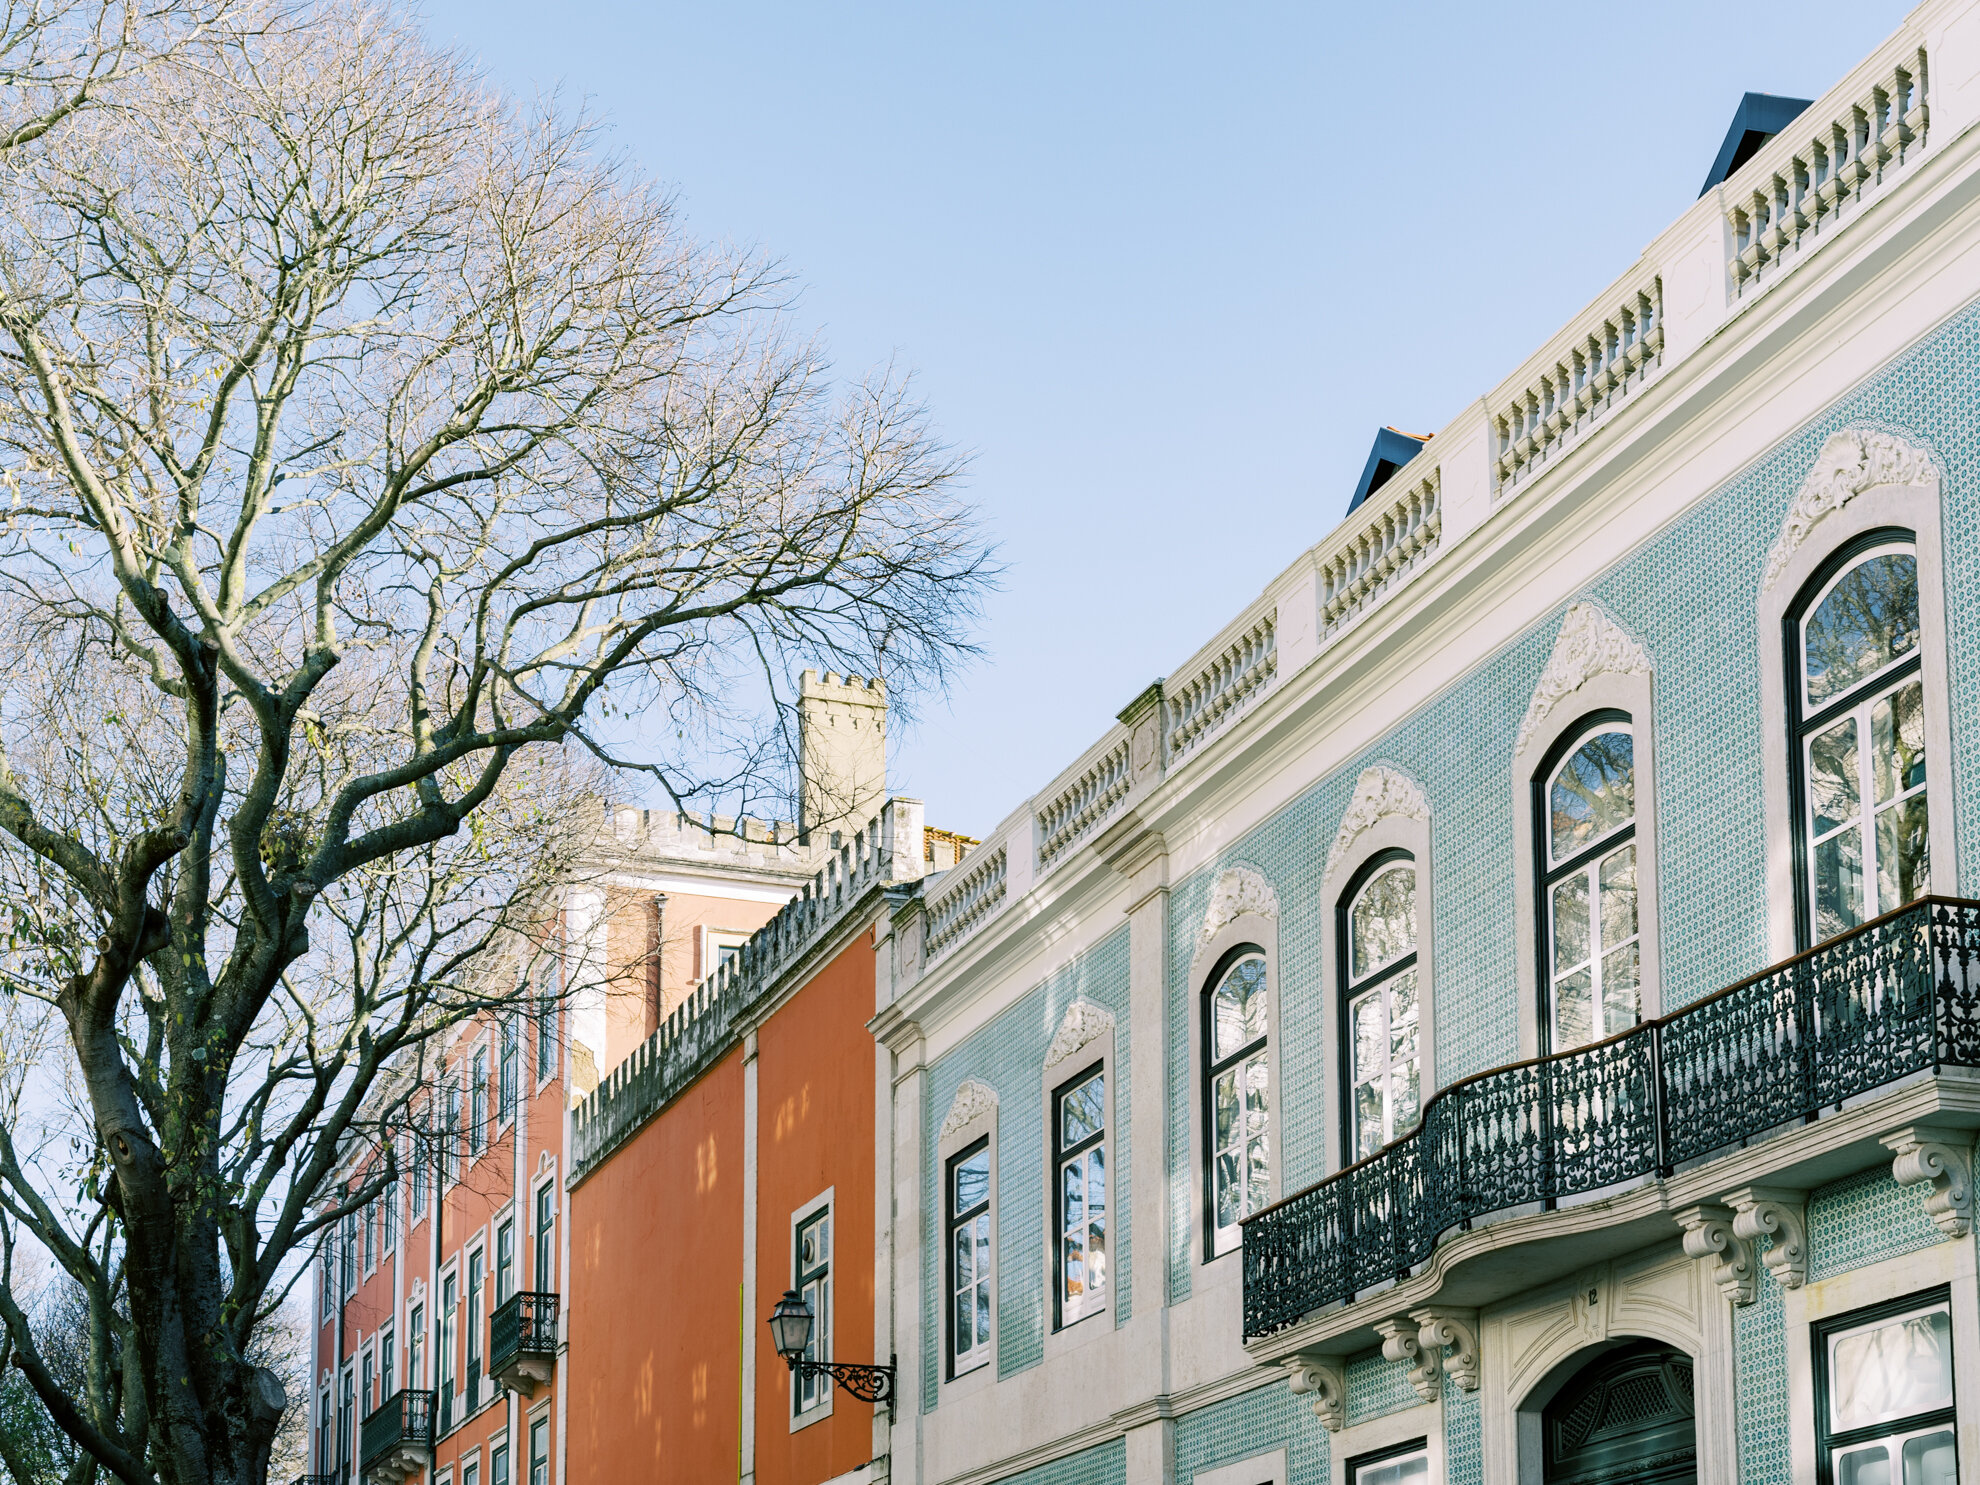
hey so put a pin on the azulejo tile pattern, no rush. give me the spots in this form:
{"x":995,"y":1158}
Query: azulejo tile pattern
{"x":1863,"y":1219}
{"x":1254,"y":1423}
{"x":1009,"y":1054}
{"x":1464,"y":1443}
{"x":1690,"y":596}
{"x":1761,"y":1395}
{"x":1104,"y":1464}
{"x":1377,"y":1387}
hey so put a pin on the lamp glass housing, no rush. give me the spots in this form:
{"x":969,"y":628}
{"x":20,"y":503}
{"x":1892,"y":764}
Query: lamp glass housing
{"x":790,"y":1326}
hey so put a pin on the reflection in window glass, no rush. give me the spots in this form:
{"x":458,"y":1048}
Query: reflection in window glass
{"x":1080,"y":1194}
{"x":1594,"y":969}
{"x":1863,"y":756}
{"x":1240,"y":1100}
{"x":814,"y":1286}
{"x":1385,"y":1088}
{"x":1888,"y":1415}
{"x":1411,"y":1468}
{"x":969,"y":1259}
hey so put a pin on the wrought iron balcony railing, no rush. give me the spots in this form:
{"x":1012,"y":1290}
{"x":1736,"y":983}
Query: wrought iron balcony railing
{"x":522,"y":1341}
{"x":1897,"y":996}
{"x":329,"y":1479}
{"x":394,"y":1442}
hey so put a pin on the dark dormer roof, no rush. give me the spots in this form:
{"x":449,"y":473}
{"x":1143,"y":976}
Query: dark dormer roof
{"x":1759,"y":117}
{"x":1393,"y":449}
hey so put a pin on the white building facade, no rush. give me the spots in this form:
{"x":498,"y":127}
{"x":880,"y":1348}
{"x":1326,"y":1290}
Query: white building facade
{"x":1506,"y":1010}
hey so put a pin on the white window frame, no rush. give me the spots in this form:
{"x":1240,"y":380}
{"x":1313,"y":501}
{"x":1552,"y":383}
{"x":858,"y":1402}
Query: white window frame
{"x":547,"y":1184}
{"x":1378,"y":982}
{"x":1261,"y":929}
{"x":547,"y":1005}
{"x":507,"y":1023}
{"x":972,"y":1118}
{"x":1085,"y":1038}
{"x":1593,"y":855}
{"x":823,"y":1335}
{"x":1221,"y":1240}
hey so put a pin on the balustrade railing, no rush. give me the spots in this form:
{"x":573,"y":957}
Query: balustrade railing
{"x":1092,"y":796}
{"x":1898,"y":996}
{"x":1199,"y":704}
{"x":1585,"y":373}
{"x":525,"y":1324}
{"x":1805,"y":179}
{"x":1387,"y":537}
{"x":405,"y":1419}
{"x":977,"y":891}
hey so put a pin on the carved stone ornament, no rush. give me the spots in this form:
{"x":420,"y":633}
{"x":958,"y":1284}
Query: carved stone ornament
{"x":1083,"y":1022}
{"x":1942,"y":1159}
{"x":1326,"y":1378}
{"x":1399,"y":1343}
{"x":972,"y":1102}
{"x":1852,"y":461}
{"x":1709,"y":1235}
{"x":1766,"y":1211}
{"x":1449,"y":1338}
{"x":1590,"y":644}
{"x":1381,"y":791}
{"x":1241,"y":890}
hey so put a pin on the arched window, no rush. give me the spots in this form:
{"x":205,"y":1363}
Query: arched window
{"x":1591,"y":962}
{"x":1380,"y":1044}
{"x":1859,"y":739}
{"x":1238,"y":1094}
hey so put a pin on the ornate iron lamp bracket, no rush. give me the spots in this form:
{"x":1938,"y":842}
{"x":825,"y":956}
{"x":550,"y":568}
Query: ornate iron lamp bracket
{"x":873,"y":1384}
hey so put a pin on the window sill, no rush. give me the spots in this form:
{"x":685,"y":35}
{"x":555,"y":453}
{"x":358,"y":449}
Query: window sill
{"x":816,"y":1413}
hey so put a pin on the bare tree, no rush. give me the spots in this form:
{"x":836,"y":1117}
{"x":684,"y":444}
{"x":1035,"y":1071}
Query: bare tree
{"x":377,"y":450}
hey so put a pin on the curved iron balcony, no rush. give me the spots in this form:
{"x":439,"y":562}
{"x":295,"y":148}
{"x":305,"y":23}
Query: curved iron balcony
{"x":396,"y":1441}
{"x":1897,"y":996}
{"x":522,"y":1341}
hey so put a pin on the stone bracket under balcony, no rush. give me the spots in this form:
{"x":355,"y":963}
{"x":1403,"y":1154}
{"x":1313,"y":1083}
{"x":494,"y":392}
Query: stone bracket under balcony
{"x":1500,"y":1258}
{"x":522,"y":1341}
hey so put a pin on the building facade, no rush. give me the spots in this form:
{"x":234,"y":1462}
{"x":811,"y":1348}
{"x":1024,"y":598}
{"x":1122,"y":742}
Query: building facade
{"x":1504,"y":1010}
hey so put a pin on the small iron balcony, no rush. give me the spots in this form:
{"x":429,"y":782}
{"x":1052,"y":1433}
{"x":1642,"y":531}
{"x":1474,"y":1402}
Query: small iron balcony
{"x":1898,"y":996}
{"x":329,"y":1479}
{"x":522,"y":1341}
{"x":397,"y":1440}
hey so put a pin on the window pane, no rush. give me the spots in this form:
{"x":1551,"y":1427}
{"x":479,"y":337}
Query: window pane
{"x":965,"y":1257}
{"x":1369,"y":1035}
{"x":1402,"y":1098}
{"x":1571,"y":927}
{"x":1239,"y":1009}
{"x":1574,"y":1010}
{"x":1897,"y":741}
{"x":1402,"y":1016}
{"x":1593,"y":792}
{"x":1868,"y":619}
{"x":1225,"y":1107}
{"x":972,"y":1182}
{"x":1838,"y":883}
{"x":1621,"y":996}
{"x":1257,"y":1093}
{"x":1229,"y":1191}
{"x":1410,"y":1469}
{"x":1096,"y":1187}
{"x":1073,"y":1181}
{"x":1870,"y":1465}
{"x":1903,"y":853}
{"x":1382,"y":922}
{"x":1832,"y":777}
{"x":1258,"y":1173}
{"x":1929,"y":1459}
{"x":1890,"y":1371}
{"x":1367,"y":1120}
{"x":1080,"y":1112}
{"x":1618,"y":887}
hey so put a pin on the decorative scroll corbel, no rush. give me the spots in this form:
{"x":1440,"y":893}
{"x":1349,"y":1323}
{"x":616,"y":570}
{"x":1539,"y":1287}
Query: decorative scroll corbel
{"x":1399,"y":1343}
{"x":1326,"y":1378}
{"x":1438,"y":1328}
{"x":1944,"y":1159}
{"x":1709,"y":1235}
{"x":1773,"y":1212}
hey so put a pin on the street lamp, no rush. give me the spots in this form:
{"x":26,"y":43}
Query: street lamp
{"x":790,"y":1333}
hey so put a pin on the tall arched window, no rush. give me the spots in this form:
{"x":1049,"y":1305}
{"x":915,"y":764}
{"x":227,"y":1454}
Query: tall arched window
{"x":1238,"y":1094}
{"x":1380,"y":1044}
{"x":1859,"y":739}
{"x":1590,"y":957}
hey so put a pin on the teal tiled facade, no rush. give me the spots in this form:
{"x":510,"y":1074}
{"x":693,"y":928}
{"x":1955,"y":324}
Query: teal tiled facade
{"x":1254,"y":1423}
{"x":1009,"y":1055}
{"x":1865,"y":1219}
{"x":1377,"y":1387}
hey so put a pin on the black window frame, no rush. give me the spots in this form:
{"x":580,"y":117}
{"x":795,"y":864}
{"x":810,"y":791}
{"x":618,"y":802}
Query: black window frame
{"x":1212,"y":1066}
{"x":952,"y":1221}
{"x":1827,"y":1443}
{"x":1383,"y":1455}
{"x":822,"y":1324}
{"x":543,"y":1248}
{"x":1352,"y":989}
{"x":1061,"y":1153}
{"x":1546,"y":872}
{"x":1801,"y":723}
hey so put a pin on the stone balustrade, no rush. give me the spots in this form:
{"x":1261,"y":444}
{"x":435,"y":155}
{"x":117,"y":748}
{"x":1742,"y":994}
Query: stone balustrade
{"x":1806,"y":179}
{"x":1376,"y":547}
{"x":1235,"y":676}
{"x":977,"y":890}
{"x":1585,"y":373}
{"x":1096,"y":791}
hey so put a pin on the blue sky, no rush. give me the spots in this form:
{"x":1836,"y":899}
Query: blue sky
{"x":1163,"y":270}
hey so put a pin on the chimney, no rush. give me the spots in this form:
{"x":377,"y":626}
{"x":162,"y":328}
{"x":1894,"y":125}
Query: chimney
{"x":842,"y":753}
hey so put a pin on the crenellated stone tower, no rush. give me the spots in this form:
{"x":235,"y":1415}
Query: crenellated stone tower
{"x":842,"y":752}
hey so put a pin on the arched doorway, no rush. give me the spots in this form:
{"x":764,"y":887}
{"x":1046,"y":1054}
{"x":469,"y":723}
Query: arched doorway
{"x":1627,"y":1415}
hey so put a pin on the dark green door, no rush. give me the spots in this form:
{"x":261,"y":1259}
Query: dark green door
{"x":1627,"y":1417}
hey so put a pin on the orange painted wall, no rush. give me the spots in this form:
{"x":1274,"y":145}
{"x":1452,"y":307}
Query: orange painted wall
{"x":655,"y":1294}
{"x":815,"y":1064}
